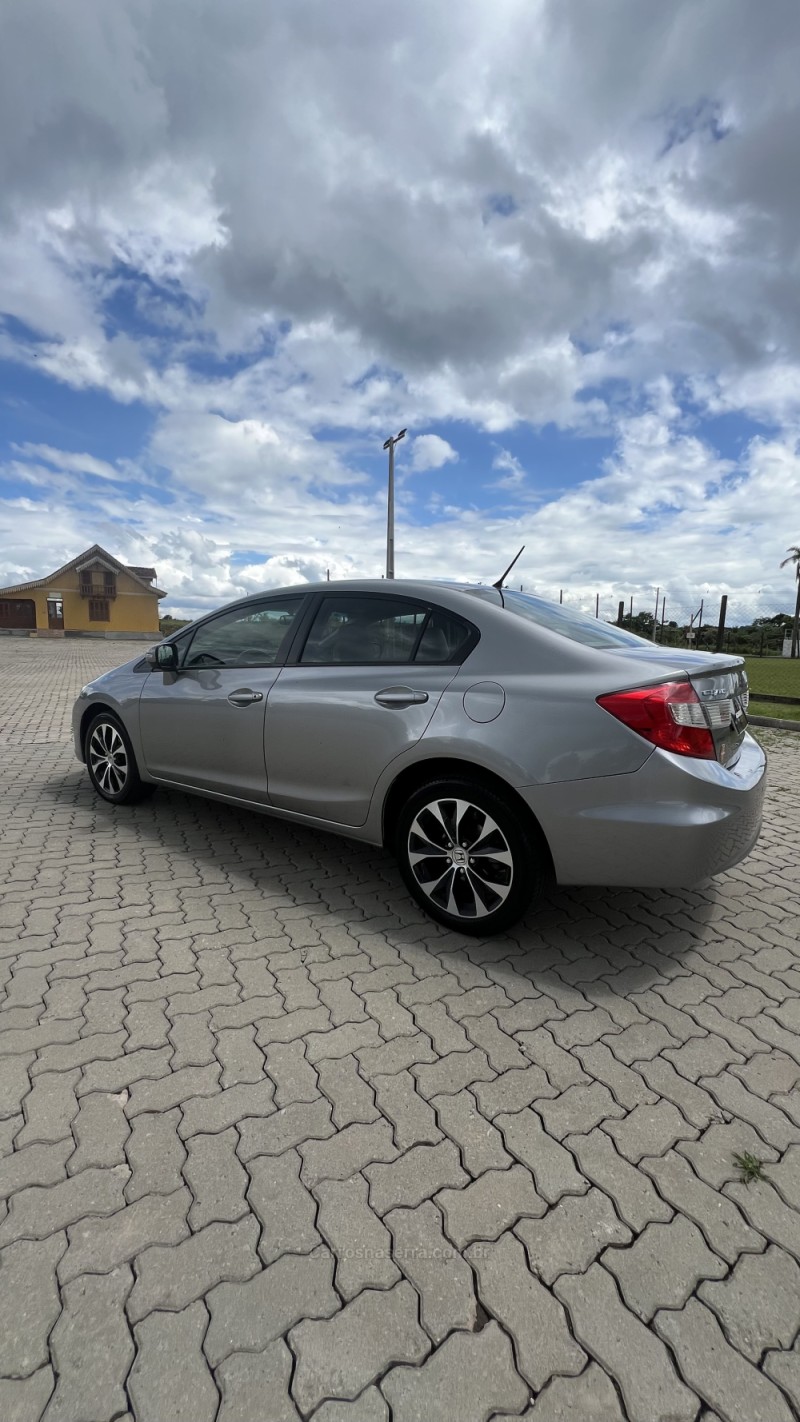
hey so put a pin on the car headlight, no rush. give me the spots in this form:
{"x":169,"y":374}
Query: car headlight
{"x":84,"y":691}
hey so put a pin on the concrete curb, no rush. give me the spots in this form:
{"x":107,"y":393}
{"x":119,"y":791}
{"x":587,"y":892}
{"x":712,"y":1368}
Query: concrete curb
{"x":775,"y":724}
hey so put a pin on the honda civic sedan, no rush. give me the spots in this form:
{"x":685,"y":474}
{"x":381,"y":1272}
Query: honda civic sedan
{"x":493,"y":740}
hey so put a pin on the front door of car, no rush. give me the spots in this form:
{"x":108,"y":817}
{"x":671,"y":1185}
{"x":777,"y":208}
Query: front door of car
{"x":364,"y":689}
{"x":203,"y":726}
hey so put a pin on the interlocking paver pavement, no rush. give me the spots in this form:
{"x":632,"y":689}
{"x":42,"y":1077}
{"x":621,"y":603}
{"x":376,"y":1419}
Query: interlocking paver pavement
{"x":274,"y":1145}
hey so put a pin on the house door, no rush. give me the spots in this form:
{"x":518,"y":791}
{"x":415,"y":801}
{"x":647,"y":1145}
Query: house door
{"x":55,"y":614}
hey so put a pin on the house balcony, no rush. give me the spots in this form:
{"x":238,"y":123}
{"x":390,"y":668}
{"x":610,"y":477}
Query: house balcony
{"x":98,"y":589}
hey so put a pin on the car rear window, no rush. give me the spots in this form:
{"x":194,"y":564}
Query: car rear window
{"x":589,"y":631}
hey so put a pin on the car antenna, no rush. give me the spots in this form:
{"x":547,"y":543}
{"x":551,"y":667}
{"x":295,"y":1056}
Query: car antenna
{"x":503,"y":576}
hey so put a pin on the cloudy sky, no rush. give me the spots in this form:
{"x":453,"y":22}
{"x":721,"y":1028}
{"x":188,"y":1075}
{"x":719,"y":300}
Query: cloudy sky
{"x":559,"y":240}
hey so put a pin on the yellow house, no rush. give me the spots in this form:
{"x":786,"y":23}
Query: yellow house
{"x":93,"y":596}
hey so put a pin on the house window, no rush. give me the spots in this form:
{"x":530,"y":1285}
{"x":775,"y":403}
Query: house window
{"x":98,"y":609}
{"x":110,"y":581}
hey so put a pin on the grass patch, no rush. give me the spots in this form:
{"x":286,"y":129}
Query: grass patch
{"x":780,"y":675}
{"x":777,"y":709}
{"x":750,"y":1167}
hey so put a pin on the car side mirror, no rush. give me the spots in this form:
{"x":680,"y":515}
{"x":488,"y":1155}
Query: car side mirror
{"x":164,"y":657}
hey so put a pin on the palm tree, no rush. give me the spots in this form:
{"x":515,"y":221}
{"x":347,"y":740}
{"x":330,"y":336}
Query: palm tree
{"x":794,"y":557}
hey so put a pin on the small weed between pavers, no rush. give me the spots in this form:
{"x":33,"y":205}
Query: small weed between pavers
{"x":749,"y":1166}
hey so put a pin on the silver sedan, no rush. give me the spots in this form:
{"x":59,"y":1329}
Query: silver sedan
{"x":494,"y":740}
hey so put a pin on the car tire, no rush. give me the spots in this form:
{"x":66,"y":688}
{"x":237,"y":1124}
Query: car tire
{"x":111,"y":762}
{"x":488,"y":891}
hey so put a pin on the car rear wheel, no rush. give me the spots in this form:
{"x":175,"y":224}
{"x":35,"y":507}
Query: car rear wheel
{"x":111,"y":763}
{"x":469,"y":858}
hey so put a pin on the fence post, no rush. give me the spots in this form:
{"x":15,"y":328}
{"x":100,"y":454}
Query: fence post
{"x":597,"y":605}
{"x":620,"y":614}
{"x":723,"y":608}
{"x":561,"y":595}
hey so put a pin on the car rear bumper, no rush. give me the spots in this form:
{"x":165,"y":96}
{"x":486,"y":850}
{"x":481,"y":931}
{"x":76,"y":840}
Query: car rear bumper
{"x":671,"y":823}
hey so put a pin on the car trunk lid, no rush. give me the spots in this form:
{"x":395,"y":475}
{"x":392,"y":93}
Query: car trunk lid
{"x":720,"y":682}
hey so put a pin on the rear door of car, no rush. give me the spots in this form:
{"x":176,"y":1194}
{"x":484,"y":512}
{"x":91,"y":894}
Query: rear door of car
{"x":362,"y":689}
{"x":203,"y":726}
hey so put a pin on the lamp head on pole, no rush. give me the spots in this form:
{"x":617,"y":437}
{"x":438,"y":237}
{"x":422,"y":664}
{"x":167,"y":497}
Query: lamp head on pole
{"x":389,"y":442}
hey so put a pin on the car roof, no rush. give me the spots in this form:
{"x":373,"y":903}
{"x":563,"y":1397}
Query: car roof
{"x":412,"y":587}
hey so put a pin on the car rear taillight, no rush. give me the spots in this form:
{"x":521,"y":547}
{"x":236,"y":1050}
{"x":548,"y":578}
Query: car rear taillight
{"x":670,"y":716}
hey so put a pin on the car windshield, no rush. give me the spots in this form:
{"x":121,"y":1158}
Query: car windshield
{"x":589,"y":631}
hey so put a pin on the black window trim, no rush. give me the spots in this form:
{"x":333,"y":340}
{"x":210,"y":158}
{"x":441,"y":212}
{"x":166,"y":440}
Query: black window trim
{"x":298,"y":642}
{"x":257,"y":603}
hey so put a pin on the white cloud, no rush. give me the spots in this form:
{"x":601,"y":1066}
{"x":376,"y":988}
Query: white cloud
{"x":512,"y":472}
{"x":430,"y":451}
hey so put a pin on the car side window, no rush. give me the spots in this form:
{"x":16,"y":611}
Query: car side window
{"x":249,"y":636}
{"x":364,"y":631}
{"x":367,"y":631}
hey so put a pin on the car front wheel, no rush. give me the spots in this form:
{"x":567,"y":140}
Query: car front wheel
{"x":469,"y":858}
{"x":111,"y":763}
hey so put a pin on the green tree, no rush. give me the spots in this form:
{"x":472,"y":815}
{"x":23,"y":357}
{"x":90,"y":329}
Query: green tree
{"x":794,"y":557}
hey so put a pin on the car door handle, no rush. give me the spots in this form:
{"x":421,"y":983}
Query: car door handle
{"x":399,"y":696}
{"x":245,"y":697}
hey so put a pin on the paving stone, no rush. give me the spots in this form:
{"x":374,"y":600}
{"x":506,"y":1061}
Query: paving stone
{"x":703,"y":1056}
{"x":758,"y":1305}
{"x":640,"y":1364}
{"x":361,"y":1244}
{"x":512,"y":1091}
{"x":294,"y":1078}
{"x":649,"y":1130}
{"x":591,"y":1397}
{"x":579,"y":1108}
{"x":242,"y":1061}
{"x":663,"y":1266}
{"x":287,"y":1029}
{"x":37,"y":1212}
{"x":14,"y":1082}
{"x":679,"y":1024}
{"x":290,"y":1126}
{"x":441,"y":1277}
{"x":717,"y":1217}
{"x":170,"y":1377}
{"x":92,"y":1349}
{"x":446,"y":1034}
{"x":465,"y":1380}
{"x":695,"y":1105}
{"x":29,"y":1303}
{"x":216,"y":1178}
{"x":49,"y":1108}
{"x":732,"y":1095}
{"x":561,"y":1067}
{"x":346,"y":1152}
{"x":480,"y":1142}
{"x":343,"y":1041}
{"x":247,"y":1379}
{"x":258,"y":1012}
{"x":172,"y":1090}
{"x":768,"y":1073}
{"x":101,"y":1130}
{"x":502,"y":1051}
{"x":582,"y":1028}
{"x":393,"y":1019}
{"x":784,"y":1369}
{"x":24,"y":1400}
{"x":720,"y":1375}
{"x":392,"y":1057}
{"x":217,"y":1111}
{"x":340,"y":1356}
{"x":640,"y":1042}
{"x":369,"y":1407}
{"x":636,"y":1201}
{"x":96,"y":1246}
{"x":543,"y":1344}
{"x":353,"y":1098}
{"x":283,"y":1205}
{"x":490,"y":1205}
{"x":413,"y":1118}
{"x":571,"y":1235}
{"x":156,"y":1155}
{"x":342,"y":1002}
{"x":192,"y":1039}
{"x":246,"y":1317}
{"x":117,"y":1075}
{"x":35,"y":1165}
{"x":767,"y":1212}
{"x":626,"y":1086}
{"x":740,"y":1037}
{"x":712,"y":1156}
{"x":431,"y":989}
{"x":52,"y":1060}
{"x":414,"y":1177}
{"x":552,"y":1166}
{"x":785,"y":1176}
{"x":170,"y":1278}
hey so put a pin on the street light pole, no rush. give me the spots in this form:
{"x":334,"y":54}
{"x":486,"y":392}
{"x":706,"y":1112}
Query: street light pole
{"x":390,"y":444}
